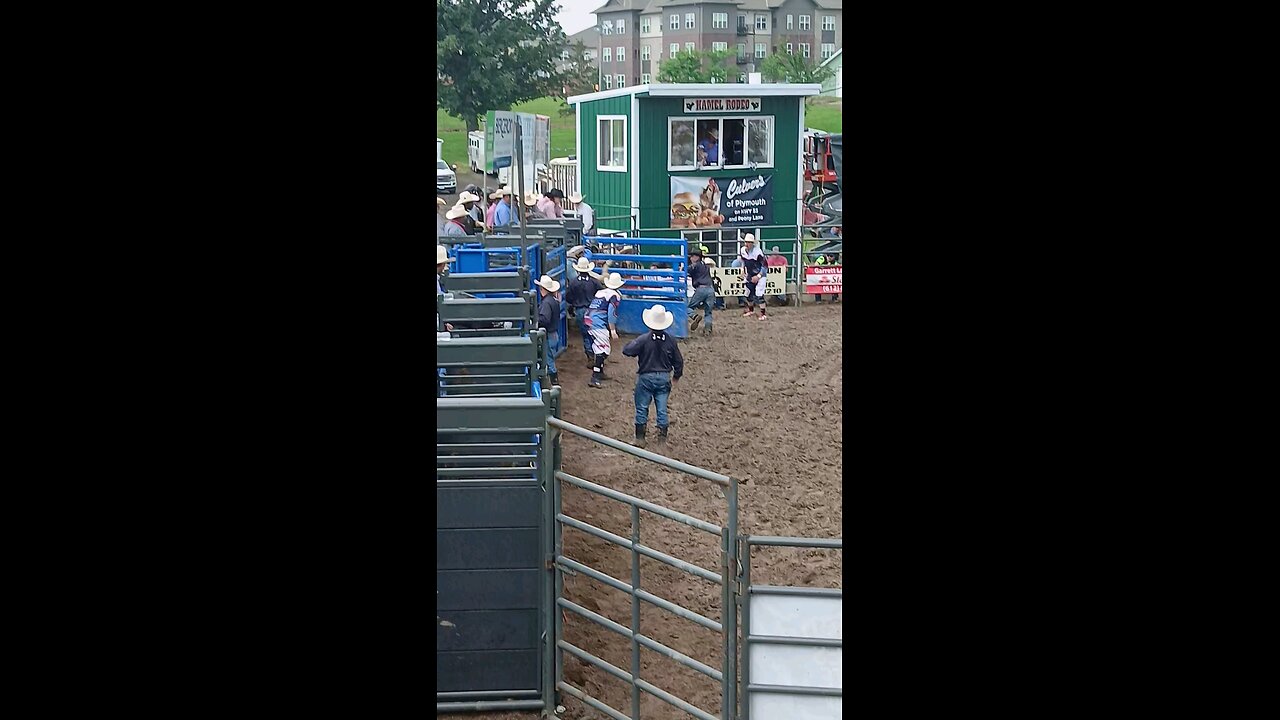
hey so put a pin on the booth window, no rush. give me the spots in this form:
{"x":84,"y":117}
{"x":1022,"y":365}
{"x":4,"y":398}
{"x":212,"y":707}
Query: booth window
{"x":611,"y":143}
{"x":740,"y":141}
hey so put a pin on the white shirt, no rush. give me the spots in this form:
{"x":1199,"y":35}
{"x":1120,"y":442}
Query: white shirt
{"x":587,"y":215}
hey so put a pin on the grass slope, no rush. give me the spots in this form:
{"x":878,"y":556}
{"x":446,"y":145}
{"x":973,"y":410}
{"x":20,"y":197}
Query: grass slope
{"x":563,"y":133}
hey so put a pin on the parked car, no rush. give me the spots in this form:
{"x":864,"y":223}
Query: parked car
{"x":446,"y":178}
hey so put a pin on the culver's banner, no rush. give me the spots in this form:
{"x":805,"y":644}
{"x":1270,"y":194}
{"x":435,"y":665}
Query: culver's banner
{"x":705,"y":202}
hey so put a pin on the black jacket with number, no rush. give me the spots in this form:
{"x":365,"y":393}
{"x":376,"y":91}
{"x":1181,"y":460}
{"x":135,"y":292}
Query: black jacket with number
{"x":657,"y":352}
{"x":580,"y":291}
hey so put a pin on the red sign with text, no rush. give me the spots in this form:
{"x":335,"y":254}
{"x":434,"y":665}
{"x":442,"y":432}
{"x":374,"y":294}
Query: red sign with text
{"x":823,"y":279}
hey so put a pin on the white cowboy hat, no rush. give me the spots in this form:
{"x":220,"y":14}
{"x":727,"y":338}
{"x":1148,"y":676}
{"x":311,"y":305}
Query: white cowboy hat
{"x":657,"y":318}
{"x":440,"y":201}
{"x":442,"y":255}
{"x":614,"y":281}
{"x":495,"y":194}
{"x":546,"y":283}
{"x":576,"y":197}
{"x":456,"y":212}
{"x":749,"y":238}
{"x":582,"y":265}
{"x":503,"y":191}
{"x":531,"y":198}
{"x":468,"y":197}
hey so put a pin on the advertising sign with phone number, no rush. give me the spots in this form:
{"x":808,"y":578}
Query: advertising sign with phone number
{"x":823,"y":279}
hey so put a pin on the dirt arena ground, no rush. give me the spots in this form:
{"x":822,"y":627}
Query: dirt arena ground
{"x":761,"y":402}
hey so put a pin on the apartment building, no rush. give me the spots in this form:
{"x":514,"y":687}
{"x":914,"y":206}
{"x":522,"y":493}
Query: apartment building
{"x":649,"y":31}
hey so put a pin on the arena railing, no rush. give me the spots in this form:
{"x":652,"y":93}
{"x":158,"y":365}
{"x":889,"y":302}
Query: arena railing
{"x":726,"y":674}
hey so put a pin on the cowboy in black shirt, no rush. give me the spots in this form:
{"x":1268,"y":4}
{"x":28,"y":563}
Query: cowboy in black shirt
{"x":659,"y":357}
{"x":704,"y":293}
{"x":577,"y":295}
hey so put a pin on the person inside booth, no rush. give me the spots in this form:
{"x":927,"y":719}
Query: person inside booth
{"x":709,"y":145}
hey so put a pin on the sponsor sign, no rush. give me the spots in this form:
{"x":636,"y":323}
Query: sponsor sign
{"x":823,"y":279}
{"x":729,"y":281}
{"x":721,"y":105}
{"x":500,"y":139}
{"x":704,"y":202}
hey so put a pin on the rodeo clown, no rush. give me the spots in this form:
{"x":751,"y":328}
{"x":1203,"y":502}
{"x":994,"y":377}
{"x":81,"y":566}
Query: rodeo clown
{"x":754,"y":272}
{"x":602,"y":323}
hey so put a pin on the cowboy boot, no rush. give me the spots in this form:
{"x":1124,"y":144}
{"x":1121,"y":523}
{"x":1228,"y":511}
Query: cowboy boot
{"x":555,"y":378}
{"x":640,"y":436}
{"x":662,"y":434}
{"x":597,"y":371}
{"x":695,"y":321}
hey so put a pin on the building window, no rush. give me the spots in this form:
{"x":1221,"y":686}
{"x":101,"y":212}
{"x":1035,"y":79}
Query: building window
{"x":644,"y":52}
{"x":689,"y":47}
{"x":645,"y":78}
{"x":789,"y":19}
{"x":742,"y":50}
{"x":606,"y":28}
{"x":608,"y":54}
{"x":789,"y":52}
{"x":828,"y":22}
{"x":621,"y":55}
{"x":688,"y":21}
{"x":719,"y":20}
{"x":622,"y":81}
{"x":742,"y":21}
{"x":675,"y":22}
{"x":719,"y":46}
{"x":828,"y":49}
{"x":742,"y":141}
{"x":622,"y":27}
{"x":759,"y":50}
{"x":645,"y":24}
{"x":804,"y":22}
{"x":804,"y":49}
{"x":608,"y":82}
{"x":611,"y":142}
{"x":675,"y":49}
{"x":762,"y":21}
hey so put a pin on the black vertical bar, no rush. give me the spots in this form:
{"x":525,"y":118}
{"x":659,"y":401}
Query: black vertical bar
{"x":746,"y":629}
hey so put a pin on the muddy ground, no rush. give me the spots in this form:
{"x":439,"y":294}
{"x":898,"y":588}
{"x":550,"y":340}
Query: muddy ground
{"x":761,"y":402}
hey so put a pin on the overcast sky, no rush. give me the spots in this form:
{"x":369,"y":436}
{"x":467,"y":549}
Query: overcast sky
{"x":575,"y":15}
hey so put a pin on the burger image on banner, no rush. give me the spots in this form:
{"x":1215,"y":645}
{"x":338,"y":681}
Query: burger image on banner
{"x":695,"y":203}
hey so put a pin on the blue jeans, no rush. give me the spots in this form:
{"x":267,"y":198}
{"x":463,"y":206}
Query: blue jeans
{"x":553,"y":342}
{"x":706,"y":297}
{"x":580,"y":315}
{"x":652,"y":387}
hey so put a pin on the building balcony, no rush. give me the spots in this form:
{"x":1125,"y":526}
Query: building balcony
{"x":744,"y":60}
{"x":743,"y":30}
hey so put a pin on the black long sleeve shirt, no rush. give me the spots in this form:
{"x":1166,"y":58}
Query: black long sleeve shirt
{"x":657,"y":352}
{"x":549,"y":314}
{"x":700,"y":275}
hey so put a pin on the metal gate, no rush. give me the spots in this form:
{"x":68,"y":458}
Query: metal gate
{"x":727,"y":673}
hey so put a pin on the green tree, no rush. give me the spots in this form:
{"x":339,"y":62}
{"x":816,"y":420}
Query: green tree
{"x":781,"y":67}
{"x":698,"y":66}
{"x":493,"y":54}
{"x":580,"y":75}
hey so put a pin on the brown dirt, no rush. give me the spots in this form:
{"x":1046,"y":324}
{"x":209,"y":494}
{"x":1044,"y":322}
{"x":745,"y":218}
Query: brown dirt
{"x":759,"y":402}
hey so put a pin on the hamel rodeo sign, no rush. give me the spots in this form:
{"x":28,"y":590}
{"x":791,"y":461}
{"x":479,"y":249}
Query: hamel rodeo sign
{"x":721,"y":105}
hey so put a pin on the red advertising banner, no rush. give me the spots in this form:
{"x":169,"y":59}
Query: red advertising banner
{"x":823,"y":279}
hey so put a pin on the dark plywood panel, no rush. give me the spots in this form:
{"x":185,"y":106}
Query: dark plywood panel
{"x":487,"y":670}
{"x":488,"y":507}
{"x":486,"y":589}
{"x":487,"y":549}
{"x":486,"y":630}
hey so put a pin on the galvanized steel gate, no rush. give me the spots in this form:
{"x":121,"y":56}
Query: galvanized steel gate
{"x":728,"y":579}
